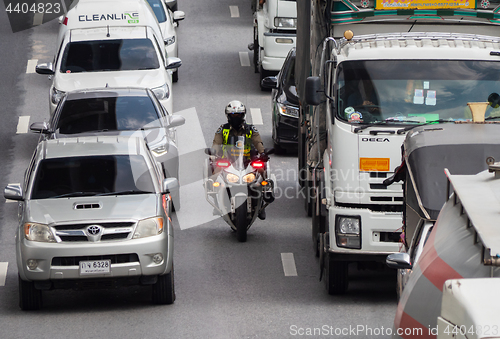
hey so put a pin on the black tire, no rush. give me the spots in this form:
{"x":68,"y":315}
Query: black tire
{"x":318,"y":223}
{"x":175,"y":76}
{"x":256,"y":50}
{"x":308,"y":200}
{"x":240,"y":219}
{"x":263,"y":74}
{"x":336,"y":276}
{"x":163,"y":290}
{"x":29,"y":297}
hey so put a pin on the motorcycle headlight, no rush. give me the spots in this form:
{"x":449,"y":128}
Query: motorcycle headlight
{"x":250,"y":177}
{"x":162,"y":92}
{"x":233,"y":178}
{"x":38,"y":232}
{"x":149,"y":227}
{"x":285,"y":22}
{"x":169,"y":41}
{"x":56,"y":95}
{"x":288,"y":111}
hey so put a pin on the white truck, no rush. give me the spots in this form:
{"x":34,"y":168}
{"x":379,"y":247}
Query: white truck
{"x":274,"y":34}
{"x":401,"y":68}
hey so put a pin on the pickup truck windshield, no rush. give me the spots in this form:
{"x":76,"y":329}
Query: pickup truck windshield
{"x":415,"y":91}
{"x":107,"y":114}
{"x":91,"y":175}
{"x":109,"y":55}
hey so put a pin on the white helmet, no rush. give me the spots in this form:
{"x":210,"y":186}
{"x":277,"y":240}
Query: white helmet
{"x":235,"y":107}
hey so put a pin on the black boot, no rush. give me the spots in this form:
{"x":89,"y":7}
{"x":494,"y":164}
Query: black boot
{"x":262,"y":214}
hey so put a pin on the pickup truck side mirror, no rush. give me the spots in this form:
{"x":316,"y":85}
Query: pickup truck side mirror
{"x":45,"y":68}
{"x":173,"y":63}
{"x":13,"y":192}
{"x":269,"y":82}
{"x":314,"y":93}
{"x":40,"y":127}
{"x":169,"y":185}
{"x":179,"y":15}
{"x":176,"y":120}
{"x":400,"y":261}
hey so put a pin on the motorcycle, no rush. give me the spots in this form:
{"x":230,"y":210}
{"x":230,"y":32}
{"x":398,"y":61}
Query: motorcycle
{"x":238,"y":185}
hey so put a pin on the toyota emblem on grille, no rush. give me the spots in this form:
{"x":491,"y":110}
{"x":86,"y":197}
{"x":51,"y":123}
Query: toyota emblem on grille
{"x":94,"y":229}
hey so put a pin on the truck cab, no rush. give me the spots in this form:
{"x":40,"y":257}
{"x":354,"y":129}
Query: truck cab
{"x":275,"y":25}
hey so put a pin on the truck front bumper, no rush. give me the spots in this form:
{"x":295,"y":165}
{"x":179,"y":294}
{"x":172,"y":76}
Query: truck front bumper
{"x":276,"y":48}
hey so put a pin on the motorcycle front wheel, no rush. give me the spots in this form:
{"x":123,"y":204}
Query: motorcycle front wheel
{"x":240,"y":218}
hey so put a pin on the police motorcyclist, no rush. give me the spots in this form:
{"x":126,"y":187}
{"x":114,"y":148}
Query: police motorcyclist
{"x":235,"y":127}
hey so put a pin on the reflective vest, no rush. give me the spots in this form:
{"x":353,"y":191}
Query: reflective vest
{"x":248,"y":139}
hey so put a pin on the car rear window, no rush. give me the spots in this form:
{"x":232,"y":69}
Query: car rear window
{"x":109,"y":55}
{"x":91,"y":175}
{"x":107,"y":114}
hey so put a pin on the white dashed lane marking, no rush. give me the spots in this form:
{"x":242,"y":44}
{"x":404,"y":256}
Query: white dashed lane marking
{"x":256,"y":116}
{"x":3,"y":272}
{"x":30,"y":68}
{"x":288,"y":265}
{"x":23,"y":124}
{"x":244,"y":59}
{"x":235,"y":12}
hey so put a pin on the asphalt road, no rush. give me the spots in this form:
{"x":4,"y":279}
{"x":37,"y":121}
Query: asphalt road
{"x":225,"y":289}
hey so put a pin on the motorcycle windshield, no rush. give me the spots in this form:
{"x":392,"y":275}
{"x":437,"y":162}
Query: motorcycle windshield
{"x":237,"y":151}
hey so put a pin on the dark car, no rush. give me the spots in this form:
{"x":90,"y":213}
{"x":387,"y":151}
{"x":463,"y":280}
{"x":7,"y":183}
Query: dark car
{"x":285,"y":104}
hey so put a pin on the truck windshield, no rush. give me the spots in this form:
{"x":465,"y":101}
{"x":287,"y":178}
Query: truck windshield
{"x":91,"y":175}
{"x":415,"y":91}
{"x":109,"y":55}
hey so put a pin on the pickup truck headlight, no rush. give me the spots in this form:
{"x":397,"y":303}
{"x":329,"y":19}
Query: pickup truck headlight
{"x":348,"y":231}
{"x":169,"y":41}
{"x":38,"y":232}
{"x":149,"y":227}
{"x":56,"y":95}
{"x":288,"y":111}
{"x":162,"y":92}
{"x":285,"y":22}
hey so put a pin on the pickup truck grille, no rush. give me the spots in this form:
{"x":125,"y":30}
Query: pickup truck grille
{"x":94,"y":232}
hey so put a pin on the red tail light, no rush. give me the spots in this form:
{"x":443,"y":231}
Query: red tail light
{"x":65,"y":21}
{"x":223,"y":163}
{"x":258,"y":164}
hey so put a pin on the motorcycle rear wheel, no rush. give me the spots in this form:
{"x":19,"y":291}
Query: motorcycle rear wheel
{"x":240,"y":218}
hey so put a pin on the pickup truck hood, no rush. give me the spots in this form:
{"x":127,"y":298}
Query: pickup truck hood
{"x":62,"y":210}
{"x":77,"y":81}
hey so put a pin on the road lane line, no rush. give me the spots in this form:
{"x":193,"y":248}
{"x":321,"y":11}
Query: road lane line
{"x":3,"y":272}
{"x":30,"y":68}
{"x":256,"y":116}
{"x":288,"y":264}
{"x":244,"y":59}
{"x":235,"y":12}
{"x":38,"y":19}
{"x":23,"y":124}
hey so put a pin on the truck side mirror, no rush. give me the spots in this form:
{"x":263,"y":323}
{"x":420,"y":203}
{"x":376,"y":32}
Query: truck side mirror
{"x":400,"y":261}
{"x":45,"y":68}
{"x":40,"y":127}
{"x":169,"y":185}
{"x":173,"y":63}
{"x":175,"y":121}
{"x":13,"y":192}
{"x":314,"y":92}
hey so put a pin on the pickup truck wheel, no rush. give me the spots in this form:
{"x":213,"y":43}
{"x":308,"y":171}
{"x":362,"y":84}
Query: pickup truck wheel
{"x":29,"y":297}
{"x":308,"y":200}
{"x":336,"y":276}
{"x":163,"y":289}
{"x":263,"y":74}
{"x":175,"y":76}
{"x":256,"y":50}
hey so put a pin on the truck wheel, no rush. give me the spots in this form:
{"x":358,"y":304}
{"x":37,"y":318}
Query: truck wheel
{"x":29,"y":297}
{"x":175,"y":76}
{"x":336,"y":276}
{"x":240,"y":218}
{"x":308,"y":200}
{"x":318,"y":223}
{"x":163,"y":289}
{"x":256,"y":50}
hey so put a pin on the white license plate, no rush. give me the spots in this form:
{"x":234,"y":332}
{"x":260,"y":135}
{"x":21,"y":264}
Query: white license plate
{"x":95,"y":267}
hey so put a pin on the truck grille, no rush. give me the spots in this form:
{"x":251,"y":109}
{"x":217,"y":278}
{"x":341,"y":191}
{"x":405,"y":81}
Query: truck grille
{"x":93,"y":232}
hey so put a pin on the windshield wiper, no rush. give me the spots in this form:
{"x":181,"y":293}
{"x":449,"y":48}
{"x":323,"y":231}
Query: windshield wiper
{"x":126,"y":192}
{"x":438,"y":121}
{"x":76,"y":194}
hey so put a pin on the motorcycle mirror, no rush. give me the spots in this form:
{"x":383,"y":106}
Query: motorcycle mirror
{"x":209,"y":151}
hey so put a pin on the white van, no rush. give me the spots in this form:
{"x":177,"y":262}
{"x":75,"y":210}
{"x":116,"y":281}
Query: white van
{"x":102,"y":46}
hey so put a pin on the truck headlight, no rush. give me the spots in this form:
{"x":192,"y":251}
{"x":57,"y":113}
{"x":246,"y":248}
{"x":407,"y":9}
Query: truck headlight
{"x":56,"y":95}
{"x":149,"y":227}
{"x":169,"y":41}
{"x":162,"y":92}
{"x":285,"y":22}
{"x":348,"y":231}
{"x":288,"y":111}
{"x":38,"y":232}
{"x":230,"y":177}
